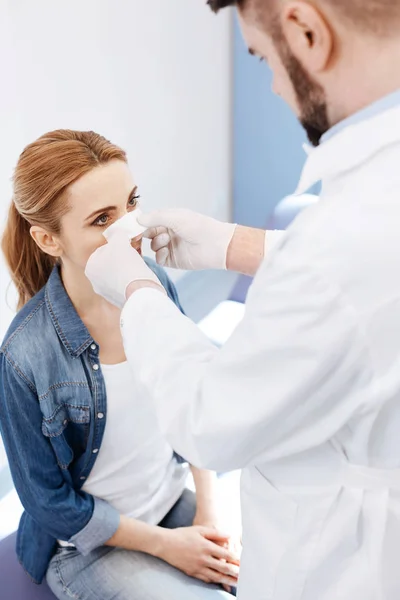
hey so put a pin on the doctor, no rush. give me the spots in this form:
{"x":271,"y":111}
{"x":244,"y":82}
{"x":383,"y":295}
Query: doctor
{"x":305,"y":396}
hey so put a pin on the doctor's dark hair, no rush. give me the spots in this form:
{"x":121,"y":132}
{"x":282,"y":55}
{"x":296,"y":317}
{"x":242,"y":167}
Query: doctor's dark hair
{"x":216,"y":5}
{"x":380,"y":17}
{"x":41,"y":179}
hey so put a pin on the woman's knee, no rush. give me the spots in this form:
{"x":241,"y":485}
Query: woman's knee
{"x":123,"y":575}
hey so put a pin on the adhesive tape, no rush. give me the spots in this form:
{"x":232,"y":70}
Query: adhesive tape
{"x":126,"y":225}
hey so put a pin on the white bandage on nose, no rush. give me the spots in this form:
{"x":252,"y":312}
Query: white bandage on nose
{"x":127,"y":225}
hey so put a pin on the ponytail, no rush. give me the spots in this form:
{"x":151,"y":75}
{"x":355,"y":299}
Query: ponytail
{"x":30,"y":268}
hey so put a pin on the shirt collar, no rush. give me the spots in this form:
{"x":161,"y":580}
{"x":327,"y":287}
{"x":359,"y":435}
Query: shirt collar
{"x":69,"y":326}
{"x":387,"y":102}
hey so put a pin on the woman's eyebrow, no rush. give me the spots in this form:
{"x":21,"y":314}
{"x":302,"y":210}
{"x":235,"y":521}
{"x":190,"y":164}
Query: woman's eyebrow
{"x":99,"y":211}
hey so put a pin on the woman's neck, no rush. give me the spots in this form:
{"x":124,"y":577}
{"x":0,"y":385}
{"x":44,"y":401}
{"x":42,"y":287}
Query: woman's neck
{"x":99,"y":316}
{"x":82,"y":295}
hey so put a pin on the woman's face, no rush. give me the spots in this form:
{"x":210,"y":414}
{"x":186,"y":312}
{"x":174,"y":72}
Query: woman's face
{"x":96,"y":200}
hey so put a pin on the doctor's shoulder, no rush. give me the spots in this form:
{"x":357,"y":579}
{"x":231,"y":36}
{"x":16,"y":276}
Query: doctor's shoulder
{"x":165,"y":281}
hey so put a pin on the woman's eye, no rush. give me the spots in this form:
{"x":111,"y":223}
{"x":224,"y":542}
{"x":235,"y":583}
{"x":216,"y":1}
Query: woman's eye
{"x":134,"y":201}
{"x":101,"y":221}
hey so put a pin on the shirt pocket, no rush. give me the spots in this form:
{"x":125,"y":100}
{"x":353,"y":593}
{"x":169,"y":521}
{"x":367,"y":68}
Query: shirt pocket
{"x":66,"y":420}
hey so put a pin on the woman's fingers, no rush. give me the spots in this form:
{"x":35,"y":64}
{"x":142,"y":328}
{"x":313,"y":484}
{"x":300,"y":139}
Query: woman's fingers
{"x":214,"y":535}
{"x":219,"y":578}
{"x":223,"y":567}
{"x":223,"y":553}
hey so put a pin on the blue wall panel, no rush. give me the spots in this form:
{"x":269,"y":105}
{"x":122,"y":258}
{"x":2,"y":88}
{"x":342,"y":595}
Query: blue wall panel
{"x":268,"y":152}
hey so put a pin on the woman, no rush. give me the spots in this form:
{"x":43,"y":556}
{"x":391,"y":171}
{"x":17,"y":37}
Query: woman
{"x":107,"y":512}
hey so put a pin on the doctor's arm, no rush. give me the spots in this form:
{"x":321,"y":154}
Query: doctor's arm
{"x":184,"y":239}
{"x":248,"y":248}
{"x":277,"y":387}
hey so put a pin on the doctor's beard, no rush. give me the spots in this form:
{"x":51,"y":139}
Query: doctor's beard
{"x":310,"y":95}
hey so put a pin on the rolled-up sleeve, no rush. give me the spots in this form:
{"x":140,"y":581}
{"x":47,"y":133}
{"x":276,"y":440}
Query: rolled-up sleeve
{"x":61,"y":511}
{"x":103,"y":524}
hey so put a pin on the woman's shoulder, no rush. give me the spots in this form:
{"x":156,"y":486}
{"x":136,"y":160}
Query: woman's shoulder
{"x":159,"y":271}
{"x":165,"y":281}
{"x":29,"y":329}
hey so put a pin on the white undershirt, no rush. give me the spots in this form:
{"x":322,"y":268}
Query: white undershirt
{"x":135,"y":471}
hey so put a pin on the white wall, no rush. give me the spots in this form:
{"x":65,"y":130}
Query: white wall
{"x":152,"y":75}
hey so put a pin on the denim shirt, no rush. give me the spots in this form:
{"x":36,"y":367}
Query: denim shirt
{"x":53,"y":413}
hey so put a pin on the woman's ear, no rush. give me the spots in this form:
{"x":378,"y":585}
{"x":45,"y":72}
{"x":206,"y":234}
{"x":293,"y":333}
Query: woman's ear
{"x":46,"y":241}
{"x":308,"y":35}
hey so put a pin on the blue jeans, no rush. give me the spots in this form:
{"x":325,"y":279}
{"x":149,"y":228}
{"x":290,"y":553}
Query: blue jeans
{"x":115,"y":574}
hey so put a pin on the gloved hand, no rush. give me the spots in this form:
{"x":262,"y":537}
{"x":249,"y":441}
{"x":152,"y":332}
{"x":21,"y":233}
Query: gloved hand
{"x":187,"y":240}
{"x":112,"y":267}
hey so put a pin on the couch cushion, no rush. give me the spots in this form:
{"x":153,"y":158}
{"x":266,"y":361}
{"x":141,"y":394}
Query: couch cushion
{"x":15,"y":583}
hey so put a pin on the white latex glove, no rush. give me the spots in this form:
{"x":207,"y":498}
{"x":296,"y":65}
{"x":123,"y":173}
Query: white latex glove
{"x":112,"y":267}
{"x":183,"y":239}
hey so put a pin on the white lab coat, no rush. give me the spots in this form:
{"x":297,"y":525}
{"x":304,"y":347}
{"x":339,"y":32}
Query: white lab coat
{"x":305,"y":396}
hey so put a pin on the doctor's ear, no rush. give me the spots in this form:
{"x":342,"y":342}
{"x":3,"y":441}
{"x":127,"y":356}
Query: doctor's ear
{"x":46,"y":241}
{"x":308,"y":35}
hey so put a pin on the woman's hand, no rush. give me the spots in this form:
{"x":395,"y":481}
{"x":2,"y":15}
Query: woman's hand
{"x":209,"y":509}
{"x":209,"y":519}
{"x":200,"y":552}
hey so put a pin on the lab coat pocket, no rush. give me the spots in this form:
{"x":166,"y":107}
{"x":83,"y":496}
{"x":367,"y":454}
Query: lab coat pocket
{"x":269,"y":518}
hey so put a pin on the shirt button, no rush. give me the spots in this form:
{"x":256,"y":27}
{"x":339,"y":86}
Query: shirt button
{"x":100,"y":415}
{"x":93,"y":347}
{"x":65,"y":421}
{"x":95,"y":451}
{"x":95,"y":367}
{"x":82,"y":477}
